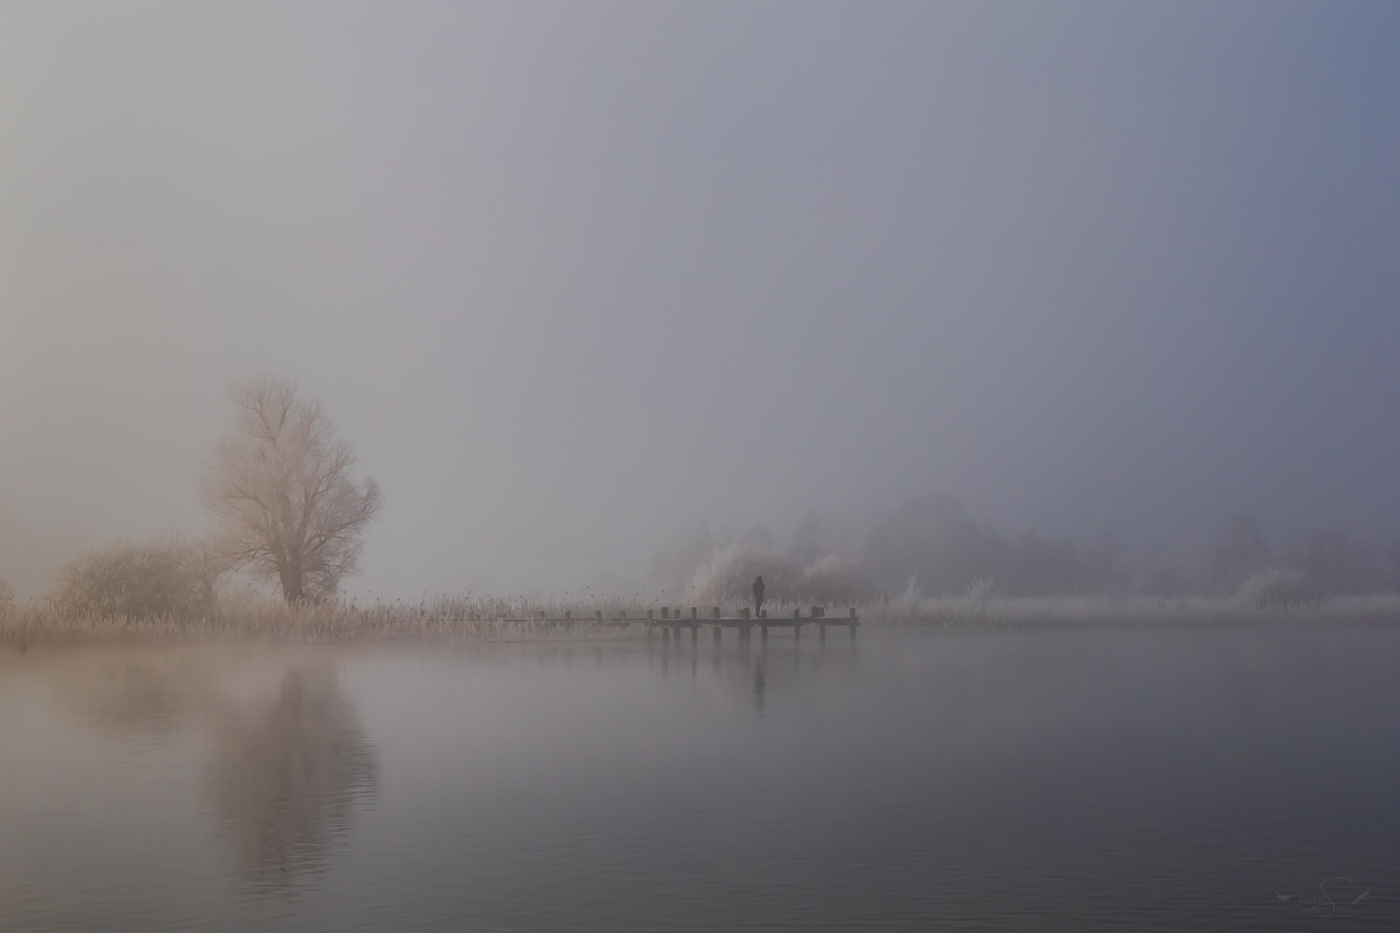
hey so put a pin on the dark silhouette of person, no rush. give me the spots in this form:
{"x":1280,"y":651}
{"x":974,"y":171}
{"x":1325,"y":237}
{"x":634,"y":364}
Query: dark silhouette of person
{"x":758,"y":597}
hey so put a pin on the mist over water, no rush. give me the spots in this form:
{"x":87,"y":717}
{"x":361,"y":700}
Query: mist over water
{"x":373,"y":376}
{"x":1159,"y":779}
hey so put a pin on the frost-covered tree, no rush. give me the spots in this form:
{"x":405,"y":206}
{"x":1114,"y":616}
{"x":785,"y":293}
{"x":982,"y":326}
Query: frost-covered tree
{"x":281,"y":491}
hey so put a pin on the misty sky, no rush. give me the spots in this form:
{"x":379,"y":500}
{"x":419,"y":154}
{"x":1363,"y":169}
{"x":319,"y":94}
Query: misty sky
{"x":574,"y":277}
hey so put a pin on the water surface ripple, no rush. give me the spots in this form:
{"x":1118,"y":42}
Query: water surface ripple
{"x":1231,"y":778}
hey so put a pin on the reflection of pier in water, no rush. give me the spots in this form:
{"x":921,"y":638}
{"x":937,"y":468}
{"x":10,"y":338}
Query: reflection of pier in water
{"x":286,"y":776}
{"x":760,"y":665}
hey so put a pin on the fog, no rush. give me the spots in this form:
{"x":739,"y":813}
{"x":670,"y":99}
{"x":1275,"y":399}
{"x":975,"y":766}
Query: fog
{"x":574,"y":278}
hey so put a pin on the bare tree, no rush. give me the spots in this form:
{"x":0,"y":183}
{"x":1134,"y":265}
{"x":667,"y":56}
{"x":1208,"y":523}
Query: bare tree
{"x":281,"y":492}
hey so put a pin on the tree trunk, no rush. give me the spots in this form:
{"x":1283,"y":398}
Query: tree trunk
{"x":289,"y":571}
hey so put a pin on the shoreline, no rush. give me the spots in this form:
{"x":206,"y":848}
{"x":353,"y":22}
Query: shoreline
{"x":490,"y":620}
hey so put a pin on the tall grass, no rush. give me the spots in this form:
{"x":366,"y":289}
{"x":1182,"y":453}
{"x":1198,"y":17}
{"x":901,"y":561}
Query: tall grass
{"x":247,"y":616}
{"x":978,"y":612}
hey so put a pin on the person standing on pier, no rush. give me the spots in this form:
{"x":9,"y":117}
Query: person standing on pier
{"x":758,"y":597}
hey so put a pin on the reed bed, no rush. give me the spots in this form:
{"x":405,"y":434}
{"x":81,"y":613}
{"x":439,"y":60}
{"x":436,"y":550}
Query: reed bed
{"x":1121,"y":611}
{"x":245,"y":616}
{"x":253,"y":618}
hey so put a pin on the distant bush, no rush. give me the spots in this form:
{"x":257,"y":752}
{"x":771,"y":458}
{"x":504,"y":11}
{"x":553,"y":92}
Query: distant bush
{"x":166,"y":577}
{"x":1276,"y":588}
{"x":7,"y":595}
{"x":832,"y":581}
{"x":727,"y":576}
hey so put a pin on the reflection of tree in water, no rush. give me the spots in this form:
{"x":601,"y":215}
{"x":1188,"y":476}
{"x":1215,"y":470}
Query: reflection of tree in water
{"x":286,"y":777}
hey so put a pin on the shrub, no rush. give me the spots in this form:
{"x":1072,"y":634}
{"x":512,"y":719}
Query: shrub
{"x":832,"y":581}
{"x":165,"y":577}
{"x":7,"y":595}
{"x":1276,"y":588}
{"x":727,"y":578}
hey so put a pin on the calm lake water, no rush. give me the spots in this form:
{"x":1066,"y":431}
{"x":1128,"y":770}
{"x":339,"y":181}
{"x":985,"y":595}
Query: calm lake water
{"x":1237,"y":778}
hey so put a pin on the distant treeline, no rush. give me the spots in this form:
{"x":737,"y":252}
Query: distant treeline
{"x":929,"y":546}
{"x":933,"y":541}
{"x":932,"y":546}
{"x":1334,"y":560}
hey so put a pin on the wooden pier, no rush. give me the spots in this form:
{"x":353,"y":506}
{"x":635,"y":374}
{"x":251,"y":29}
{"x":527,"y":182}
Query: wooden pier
{"x":671,"y":621}
{"x":672,"y":624}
